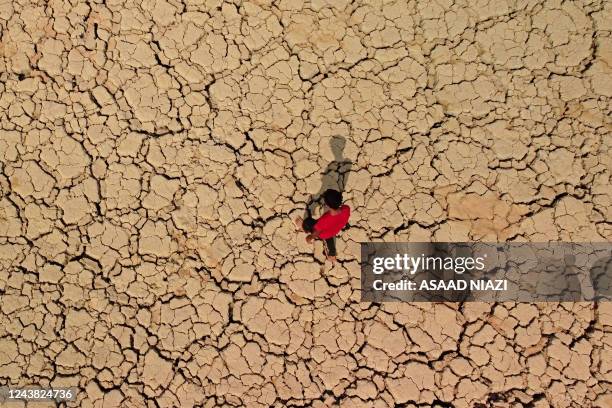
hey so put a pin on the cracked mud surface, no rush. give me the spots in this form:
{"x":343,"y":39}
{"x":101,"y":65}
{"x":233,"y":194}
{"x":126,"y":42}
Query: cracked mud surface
{"x":152,"y":153}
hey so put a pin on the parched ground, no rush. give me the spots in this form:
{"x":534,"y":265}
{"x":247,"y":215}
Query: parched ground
{"x":152,"y":153}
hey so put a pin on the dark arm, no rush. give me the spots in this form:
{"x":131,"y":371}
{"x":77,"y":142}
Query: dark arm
{"x":314,"y":235}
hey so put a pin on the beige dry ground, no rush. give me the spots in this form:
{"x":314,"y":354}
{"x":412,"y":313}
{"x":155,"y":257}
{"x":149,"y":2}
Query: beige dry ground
{"x":152,"y":152}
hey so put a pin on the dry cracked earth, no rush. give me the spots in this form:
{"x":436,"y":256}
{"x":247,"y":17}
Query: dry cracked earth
{"x":153,"y":153}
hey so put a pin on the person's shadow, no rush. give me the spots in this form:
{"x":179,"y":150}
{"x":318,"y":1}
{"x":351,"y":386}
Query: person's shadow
{"x":601,"y":278}
{"x":335,"y":175}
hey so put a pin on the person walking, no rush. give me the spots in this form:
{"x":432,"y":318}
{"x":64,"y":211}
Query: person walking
{"x":328,"y":225}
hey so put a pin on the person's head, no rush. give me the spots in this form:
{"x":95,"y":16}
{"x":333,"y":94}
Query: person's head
{"x":337,"y":144}
{"x":332,"y":198}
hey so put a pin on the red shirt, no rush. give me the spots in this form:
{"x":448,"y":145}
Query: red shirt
{"x":329,"y":225}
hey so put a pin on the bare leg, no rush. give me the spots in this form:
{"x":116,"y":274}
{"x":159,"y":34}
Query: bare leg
{"x":331,"y":259}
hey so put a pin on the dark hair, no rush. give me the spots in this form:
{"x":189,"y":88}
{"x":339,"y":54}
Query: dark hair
{"x":332,"y":198}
